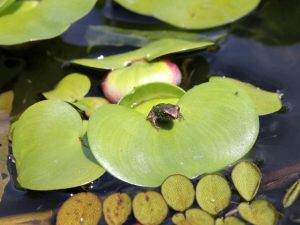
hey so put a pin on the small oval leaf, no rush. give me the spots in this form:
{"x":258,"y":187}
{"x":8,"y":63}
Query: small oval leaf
{"x":292,"y":194}
{"x":213,"y":193}
{"x":117,"y":208}
{"x":149,"y":208}
{"x":90,"y":104}
{"x":231,"y":220}
{"x":246,"y":177}
{"x":193,"y":217}
{"x":178,"y":191}
{"x":82,"y":208}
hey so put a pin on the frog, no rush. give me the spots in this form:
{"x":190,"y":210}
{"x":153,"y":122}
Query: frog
{"x":163,"y":112}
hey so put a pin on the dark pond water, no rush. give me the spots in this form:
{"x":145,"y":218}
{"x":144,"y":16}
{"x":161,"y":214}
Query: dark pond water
{"x":262,"y":48}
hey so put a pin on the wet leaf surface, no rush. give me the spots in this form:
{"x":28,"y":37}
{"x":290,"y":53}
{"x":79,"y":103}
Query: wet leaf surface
{"x":292,"y":194}
{"x":80,"y":209}
{"x":47,"y":145}
{"x":71,"y":88}
{"x":149,"y":208}
{"x":117,"y":208}
{"x":259,"y":212}
{"x":213,"y":193}
{"x":179,"y":192}
{"x":140,"y":144}
{"x":6,"y":100}
{"x":246,"y":177}
{"x":193,"y":217}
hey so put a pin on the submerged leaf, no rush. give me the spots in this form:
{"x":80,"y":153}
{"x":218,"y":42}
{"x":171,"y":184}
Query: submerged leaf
{"x":178,"y":191}
{"x":265,"y":102}
{"x":48,"y":147}
{"x":292,"y":194}
{"x":229,"y":221}
{"x":39,"y":19}
{"x":213,"y":193}
{"x":222,"y":127}
{"x":192,"y":14}
{"x":82,"y":208}
{"x":122,"y":81}
{"x":117,"y":208}
{"x":246,"y":177}
{"x":259,"y":212}
{"x":193,"y":217}
{"x":70,"y":89}
{"x":6,"y":100}
{"x":149,"y":208}
{"x":150,"y":52}
{"x":40,"y":218}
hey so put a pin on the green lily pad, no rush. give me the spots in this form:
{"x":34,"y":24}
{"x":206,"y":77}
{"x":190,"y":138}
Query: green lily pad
{"x":292,"y":194}
{"x":90,"y":104}
{"x":49,"y":148}
{"x":218,"y":128}
{"x":246,"y":177}
{"x":213,"y":193}
{"x":71,"y":88}
{"x":39,"y":19}
{"x":149,"y":52}
{"x":265,"y":102}
{"x":259,"y":212}
{"x":192,"y":14}
{"x":122,"y":81}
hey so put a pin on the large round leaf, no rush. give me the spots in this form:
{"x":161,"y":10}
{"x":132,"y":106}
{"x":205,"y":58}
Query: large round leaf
{"x":219,"y":127}
{"x":24,"y":21}
{"x":192,"y":14}
{"x":49,"y":148}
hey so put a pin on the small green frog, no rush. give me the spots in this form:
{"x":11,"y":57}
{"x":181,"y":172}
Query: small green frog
{"x":164,"y":113}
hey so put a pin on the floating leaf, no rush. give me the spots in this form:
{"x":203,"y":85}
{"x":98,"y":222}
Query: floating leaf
{"x":292,"y":194}
{"x":149,"y":208}
{"x":192,"y":14}
{"x":40,"y":218}
{"x":246,"y":177}
{"x":48,"y":147}
{"x":122,"y":81}
{"x":229,"y":221}
{"x":90,"y":104}
{"x":40,"y":19}
{"x":117,"y":208}
{"x":6,"y":100}
{"x":222,"y":127}
{"x":151,"y":51}
{"x":143,"y":97}
{"x":193,"y":217}
{"x":70,"y":89}
{"x":82,"y":208}
{"x":213,"y":193}
{"x":265,"y":102}
{"x":178,"y":191}
{"x":259,"y":212}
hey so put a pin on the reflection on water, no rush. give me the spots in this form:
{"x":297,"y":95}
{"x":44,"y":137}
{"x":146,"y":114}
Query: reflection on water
{"x":261,"y":49}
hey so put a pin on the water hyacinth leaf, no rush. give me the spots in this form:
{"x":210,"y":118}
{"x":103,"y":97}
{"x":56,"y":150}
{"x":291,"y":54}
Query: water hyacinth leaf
{"x":117,"y":208}
{"x":246,"y":177}
{"x":82,"y":208}
{"x":40,"y":218}
{"x":222,"y":127}
{"x":149,"y":208}
{"x":90,"y":104}
{"x":39,"y":19}
{"x":231,"y":220}
{"x":144,"y":97}
{"x":70,"y":89}
{"x":178,"y":191}
{"x":292,"y":194}
{"x":6,"y":100}
{"x":213,"y":193}
{"x":149,"y":52}
{"x":192,"y":14}
{"x":4,"y":4}
{"x":122,"y":81}
{"x":193,"y":217}
{"x":265,"y":102}
{"x":49,"y":149}
{"x":259,"y":212}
